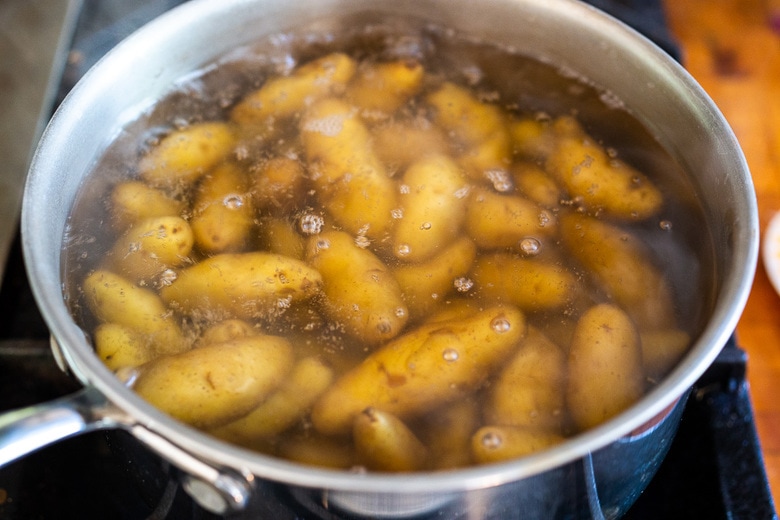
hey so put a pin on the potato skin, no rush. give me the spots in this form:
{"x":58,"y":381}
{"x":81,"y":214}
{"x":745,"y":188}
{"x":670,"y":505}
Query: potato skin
{"x":500,"y":443}
{"x":495,"y":220}
{"x":215,"y":384}
{"x":222,"y":212}
{"x":384,"y":443}
{"x":479,"y":129}
{"x":424,"y":284}
{"x":150,"y":247}
{"x":423,"y":369}
{"x":115,"y":299}
{"x":242,"y":285}
{"x":304,"y":384}
{"x":602,"y":182}
{"x":133,"y":201}
{"x":119,"y":346}
{"x":530,"y":390}
{"x":350,"y":179}
{"x":621,"y":265}
{"x":605,"y":366}
{"x":359,"y":290}
{"x":530,"y":284}
{"x":283,"y":96}
{"x":386,"y":86}
{"x":184,"y":155}
{"x":433,"y":205}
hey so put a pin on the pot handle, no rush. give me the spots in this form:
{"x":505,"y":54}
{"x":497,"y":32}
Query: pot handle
{"x":28,"y":429}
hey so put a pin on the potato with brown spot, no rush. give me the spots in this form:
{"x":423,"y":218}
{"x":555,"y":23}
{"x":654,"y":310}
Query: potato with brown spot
{"x":242,"y":285}
{"x":423,"y":369}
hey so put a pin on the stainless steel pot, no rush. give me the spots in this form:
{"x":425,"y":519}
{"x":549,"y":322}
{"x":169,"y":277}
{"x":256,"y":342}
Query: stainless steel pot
{"x":597,"y":474}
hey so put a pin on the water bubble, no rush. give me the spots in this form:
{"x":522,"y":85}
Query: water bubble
{"x":666,"y":225}
{"x":384,"y":327}
{"x":463,"y":284}
{"x":544,"y":218}
{"x":233,"y":201}
{"x":362,"y":241}
{"x":167,"y":277}
{"x":530,"y":246}
{"x":450,"y":354}
{"x":463,"y":192}
{"x":425,"y":225}
{"x":491,"y":440}
{"x":311,"y":224}
{"x":329,"y":126}
{"x":400,"y":312}
{"x":403,"y":250}
{"x":502,"y":182}
{"x":397,"y":213}
{"x":322,"y":244}
{"x":500,"y":324}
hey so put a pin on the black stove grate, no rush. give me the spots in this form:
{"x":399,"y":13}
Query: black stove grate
{"x":714,"y":469}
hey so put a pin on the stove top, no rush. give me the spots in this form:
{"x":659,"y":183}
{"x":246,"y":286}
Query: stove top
{"x":714,"y":469}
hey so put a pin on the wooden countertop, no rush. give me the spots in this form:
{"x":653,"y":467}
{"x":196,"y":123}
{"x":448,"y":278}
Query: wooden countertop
{"x":732,"y":48}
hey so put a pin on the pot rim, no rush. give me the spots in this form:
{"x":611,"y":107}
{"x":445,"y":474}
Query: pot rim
{"x":37,"y":234}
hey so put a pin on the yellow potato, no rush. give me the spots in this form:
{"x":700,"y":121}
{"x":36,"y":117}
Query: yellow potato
{"x":350,"y":179}
{"x":226,"y":330}
{"x":279,"y":185}
{"x":114,"y":299}
{"x":184,"y":155}
{"x":280,"y":236}
{"x":501,"y":443}
{"x":531,"y":138}
{"x":359,"y":290}
{"x":384,"y":443}
{"x":283,"y":96}
{"x":447,"y":433}
{"x":602,"y":182}
{"x":479,"y":129}
{"x":425,"y":284}
{"x":423,"y":369}
{"x":605,"y":366}
{"x":119,"y":346}
{"x":212,"y":385}
{"x":287,"y":405}
{"x":150,"y":247}
{"x":399,"y":144}
{"x":662,"y":349}
{"x":313,"y":449}
{"x":622,"y":266}
{"x":385,"y":87}
{"x":222,"y":211}
{"x":494,"y":220}
{"x":530,"y":390}
{"x":242,"y":285}
{"x":530,"y":284}
{"x":433,"y":202}
{"x":133,"y":201}
{"x":534,"y":183}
